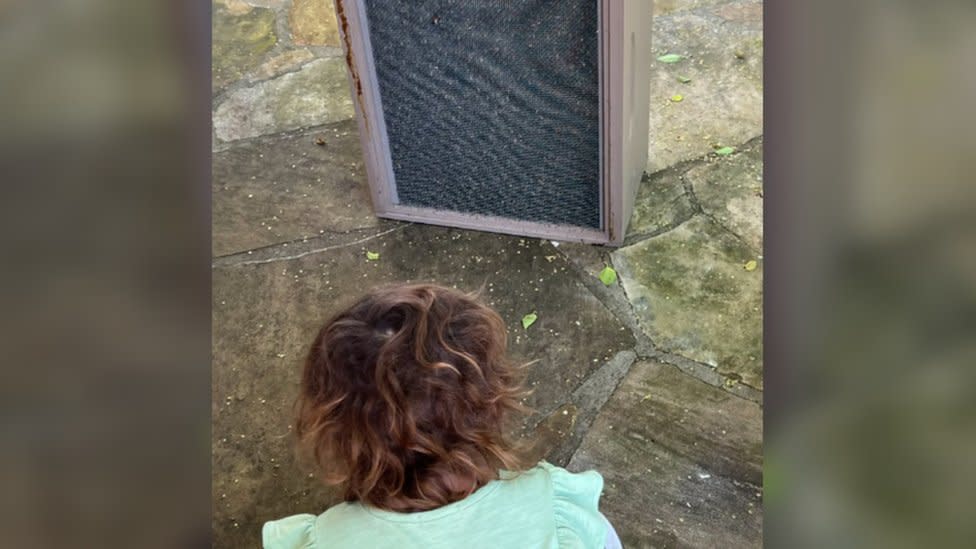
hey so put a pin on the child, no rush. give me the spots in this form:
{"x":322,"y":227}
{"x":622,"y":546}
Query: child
{"x":405,"y":401}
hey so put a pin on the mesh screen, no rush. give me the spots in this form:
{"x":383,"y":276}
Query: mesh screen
{"x":492,"y":106}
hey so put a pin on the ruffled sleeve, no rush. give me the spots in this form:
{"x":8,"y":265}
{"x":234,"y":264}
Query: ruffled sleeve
{"x":579,"y":524}
{"x":294,"y":532}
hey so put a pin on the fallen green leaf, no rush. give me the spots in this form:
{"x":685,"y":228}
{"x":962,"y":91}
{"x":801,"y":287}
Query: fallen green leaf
{"x":372,"y":256}
{"x":725,"y":151}
{"x":684,"y":79}
{"x":528,"y":320}
{"x":670,"y":58}
{"x":750,"y":265}
{"x":608,"y":276}
{"x":677,"y":98}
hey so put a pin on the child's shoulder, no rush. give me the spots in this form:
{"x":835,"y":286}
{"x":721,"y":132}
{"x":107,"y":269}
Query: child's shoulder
{"x":300,"y":531}
{"x":572,"y":498}
{"x":582,"y":489}
{"x":289,"y":533}
{"x":576,"y":506}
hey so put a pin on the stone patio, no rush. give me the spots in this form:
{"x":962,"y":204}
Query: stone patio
{"x":655,"y":381}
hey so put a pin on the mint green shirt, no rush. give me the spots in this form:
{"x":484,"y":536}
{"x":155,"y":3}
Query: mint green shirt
{"x":545,"y":507}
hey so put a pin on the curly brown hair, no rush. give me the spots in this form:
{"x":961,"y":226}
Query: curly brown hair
{"x":407,"y":396}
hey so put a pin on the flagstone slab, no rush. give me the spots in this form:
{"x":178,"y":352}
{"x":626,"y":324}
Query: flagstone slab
{"x":694,"y":297}
{"x":721,"y":46}
{"x":241,"y":36}
{"x":315,"y":95}
{"x":681,"y":461}
{"x":289,"y":188}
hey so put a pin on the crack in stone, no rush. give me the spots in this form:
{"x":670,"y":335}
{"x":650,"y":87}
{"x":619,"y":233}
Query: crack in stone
{"x":681,"y":169}
{"x":297,"y":241}
{"x":646,"y":349}
{"x":727,"y":229}
{"x":691,"y":368}
{"x":228,"y":260}
{"x":220,"y":146}
{"x":690,"y":193}
{"x":638,"y":329}
{"x":637,"y":238}
{"x":590,"y":398}
{"x":584,"y":425}
{"x":697,"y":206}
{"x":618,"y":305}
{"x":701,"y":372}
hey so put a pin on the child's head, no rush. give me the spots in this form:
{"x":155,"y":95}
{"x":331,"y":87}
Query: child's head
{"x":406,"y":397}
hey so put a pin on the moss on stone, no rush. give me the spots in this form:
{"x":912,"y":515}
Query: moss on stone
{"x":694,"y":298}
{"x":240,"y":41}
